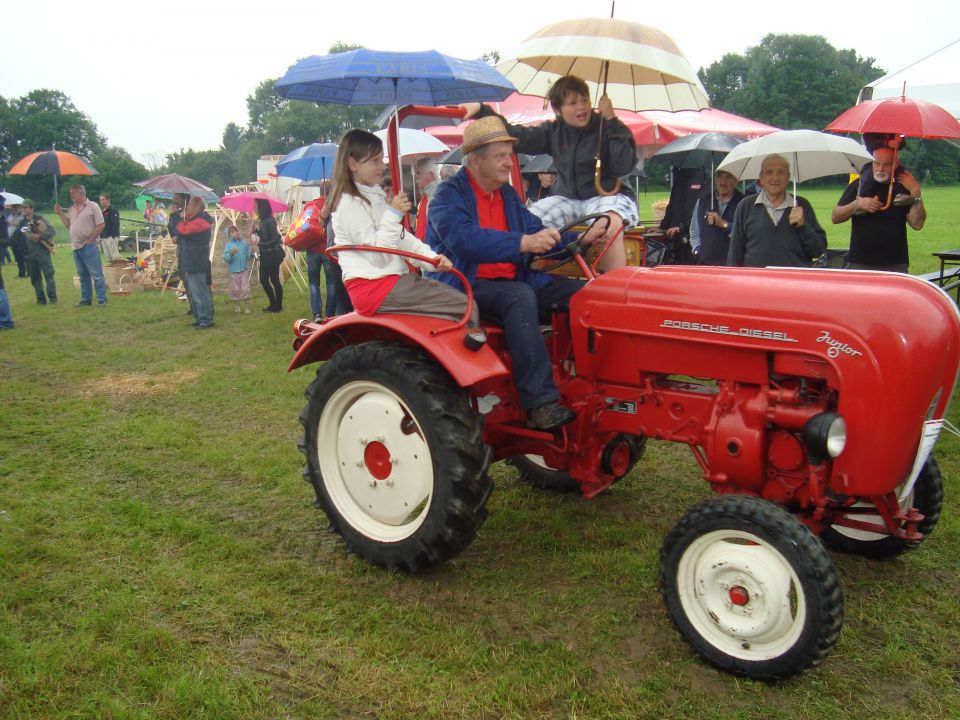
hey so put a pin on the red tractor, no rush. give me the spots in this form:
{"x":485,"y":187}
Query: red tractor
{"x":810,"y":399}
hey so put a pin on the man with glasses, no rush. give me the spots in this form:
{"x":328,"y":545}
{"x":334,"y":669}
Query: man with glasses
{"x":878,"y":234}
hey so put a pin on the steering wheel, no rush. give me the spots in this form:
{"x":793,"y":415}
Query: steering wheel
{"x":560,"y":255}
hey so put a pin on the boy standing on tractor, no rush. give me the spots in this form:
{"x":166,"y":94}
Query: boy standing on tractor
{"x":575,"y":140}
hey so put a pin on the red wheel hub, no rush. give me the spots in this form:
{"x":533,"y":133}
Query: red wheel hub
{"x":377,"y":459}
{"x":739,"y":595}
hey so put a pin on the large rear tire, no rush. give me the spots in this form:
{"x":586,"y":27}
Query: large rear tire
{"x":927,"y":498}
{"x":751,"y":588}
{"x":396,"y":456}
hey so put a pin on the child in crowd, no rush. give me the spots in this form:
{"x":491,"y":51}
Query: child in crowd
{"x":573,"y":140}
{"x":237,"y":256}
{"x":381,"y":282}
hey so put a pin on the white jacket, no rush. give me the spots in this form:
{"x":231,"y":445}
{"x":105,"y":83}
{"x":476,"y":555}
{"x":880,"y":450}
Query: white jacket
{"x":357,"y":223}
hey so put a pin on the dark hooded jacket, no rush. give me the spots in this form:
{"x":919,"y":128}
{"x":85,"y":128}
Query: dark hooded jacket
{"x":574,"y":151}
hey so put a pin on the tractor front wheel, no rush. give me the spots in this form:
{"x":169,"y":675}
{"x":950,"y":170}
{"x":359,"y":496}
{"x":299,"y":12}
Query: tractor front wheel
{"x":926,"y":497}
{"x":751,"y":588}
{"x":396,"y":456}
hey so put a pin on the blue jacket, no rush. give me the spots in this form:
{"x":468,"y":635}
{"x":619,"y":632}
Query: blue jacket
{"x":238,"y":262}
{"x":454,"y":230}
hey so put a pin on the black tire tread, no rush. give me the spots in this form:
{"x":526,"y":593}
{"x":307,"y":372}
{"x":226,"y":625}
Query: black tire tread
{"x":927,"y":498}
{"x":779,"y":527}
{"x":455,"y":437}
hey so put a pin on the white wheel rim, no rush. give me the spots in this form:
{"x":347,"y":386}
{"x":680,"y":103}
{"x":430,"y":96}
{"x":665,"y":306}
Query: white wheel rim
{"x":872,"y":517}
{"x":772,"y":618}
{"x":385,"y":501}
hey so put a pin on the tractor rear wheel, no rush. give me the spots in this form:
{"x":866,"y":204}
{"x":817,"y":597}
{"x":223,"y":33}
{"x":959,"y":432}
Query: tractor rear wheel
{"x":535,"y":471}
{"x":396,"y":456}
{"x":751,"y":588}
{"x":927,"y":498}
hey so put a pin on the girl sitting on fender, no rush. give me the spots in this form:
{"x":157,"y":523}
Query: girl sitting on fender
{"x":381,"y":282}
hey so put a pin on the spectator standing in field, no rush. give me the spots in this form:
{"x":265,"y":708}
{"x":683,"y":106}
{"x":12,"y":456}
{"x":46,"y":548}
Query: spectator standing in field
{"x":110,"y":237}
{"x":38,"y":234}
{"x":236,"y":255}
{"x":271,"y":257}
{"x":878,"y":236}
{"x":710,"y":223}
{"x":85,"y":222}
{"x":194,"y":233}
{"x":6,"y":320}
{"x":17,"y":244}
{"x":770,"y":229}
{"x":148,"y":211}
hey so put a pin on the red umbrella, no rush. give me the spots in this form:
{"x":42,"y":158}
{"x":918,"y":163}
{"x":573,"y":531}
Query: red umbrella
{"x":902,"y":116}
{"x":899,"y":116}
{"x":53,"y":162}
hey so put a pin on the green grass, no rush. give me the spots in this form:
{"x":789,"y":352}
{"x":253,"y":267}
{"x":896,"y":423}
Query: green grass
{"x":159,"y":557}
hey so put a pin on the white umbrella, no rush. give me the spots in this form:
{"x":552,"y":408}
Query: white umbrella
{"x":11,"y":199}
{"x":809,"y":153}
{"x":639,"y":67}
{"x":415,"y":144}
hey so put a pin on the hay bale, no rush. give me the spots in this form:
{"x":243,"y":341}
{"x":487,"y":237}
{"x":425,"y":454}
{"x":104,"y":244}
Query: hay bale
{"x":659,"y":209}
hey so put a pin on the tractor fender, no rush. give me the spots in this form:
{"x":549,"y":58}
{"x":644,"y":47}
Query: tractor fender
{"x":467,"y":367}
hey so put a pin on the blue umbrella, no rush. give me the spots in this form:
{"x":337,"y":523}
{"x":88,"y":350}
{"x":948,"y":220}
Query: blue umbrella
{"x":310,"y":162}
{"x":373,"y":77}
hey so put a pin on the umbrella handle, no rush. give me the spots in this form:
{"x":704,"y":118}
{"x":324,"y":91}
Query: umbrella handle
{"x":597,"y":174}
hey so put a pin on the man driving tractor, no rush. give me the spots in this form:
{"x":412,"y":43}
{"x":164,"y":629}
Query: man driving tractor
{"x":480,"y":222}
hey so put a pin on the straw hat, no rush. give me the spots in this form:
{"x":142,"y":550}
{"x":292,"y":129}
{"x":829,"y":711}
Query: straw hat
{"x":484,"y":131}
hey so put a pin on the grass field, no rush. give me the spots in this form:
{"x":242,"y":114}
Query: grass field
{"x":159,"y":557}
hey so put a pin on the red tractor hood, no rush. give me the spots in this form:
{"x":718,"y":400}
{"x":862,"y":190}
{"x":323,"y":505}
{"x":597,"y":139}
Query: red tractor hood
{"x":889,"y":344}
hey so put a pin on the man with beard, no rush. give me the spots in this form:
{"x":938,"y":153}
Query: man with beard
{"x":878,"y":236}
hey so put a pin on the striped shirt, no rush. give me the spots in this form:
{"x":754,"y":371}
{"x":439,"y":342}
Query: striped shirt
{"x":83,"y":220}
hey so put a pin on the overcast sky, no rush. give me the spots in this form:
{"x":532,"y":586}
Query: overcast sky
{"x":156,"y":78}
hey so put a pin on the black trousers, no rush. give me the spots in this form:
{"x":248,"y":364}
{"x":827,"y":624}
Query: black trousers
{"x":270,"y":282}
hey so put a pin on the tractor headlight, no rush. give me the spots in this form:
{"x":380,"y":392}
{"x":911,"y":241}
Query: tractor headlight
{"x":825,"y":436}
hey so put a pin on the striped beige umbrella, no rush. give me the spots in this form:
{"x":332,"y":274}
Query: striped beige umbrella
{"x":642,"y":66}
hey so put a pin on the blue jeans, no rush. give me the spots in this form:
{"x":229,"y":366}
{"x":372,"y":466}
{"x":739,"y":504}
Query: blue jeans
{"x":518,"y":308}
{"x":201,"y":300}
{"x":6,"y":320}
{"x":87,"y":261}
{"x":314,"y":268}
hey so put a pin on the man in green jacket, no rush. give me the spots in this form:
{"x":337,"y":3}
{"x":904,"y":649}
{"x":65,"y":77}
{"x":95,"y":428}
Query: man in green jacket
{"x":38,"y":234}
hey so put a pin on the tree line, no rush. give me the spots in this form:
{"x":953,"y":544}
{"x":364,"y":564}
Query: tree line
{"x":790,"y":81}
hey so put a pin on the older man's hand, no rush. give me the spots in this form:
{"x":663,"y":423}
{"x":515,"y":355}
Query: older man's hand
{"x":539,"y":242}
{"x":796,"y":216}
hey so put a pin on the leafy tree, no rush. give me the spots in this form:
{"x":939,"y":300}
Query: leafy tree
{"x":232,"y":138}
{"x":790,"y":81}
{"x":117,"y":171}
{"x":36,"y":122}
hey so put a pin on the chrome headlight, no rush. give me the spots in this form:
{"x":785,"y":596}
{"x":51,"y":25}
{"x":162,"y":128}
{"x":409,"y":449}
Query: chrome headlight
{"x":825,"y":436}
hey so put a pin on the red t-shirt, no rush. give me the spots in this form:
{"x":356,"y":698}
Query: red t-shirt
{"x":368,"y":295}
{"x":492,"y":216}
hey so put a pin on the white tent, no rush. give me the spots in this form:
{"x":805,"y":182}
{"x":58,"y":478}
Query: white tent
{"x":934,"y":78}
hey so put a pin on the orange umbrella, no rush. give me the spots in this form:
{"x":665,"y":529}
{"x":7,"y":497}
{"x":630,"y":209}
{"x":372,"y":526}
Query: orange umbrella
{"x":53,"y":162}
